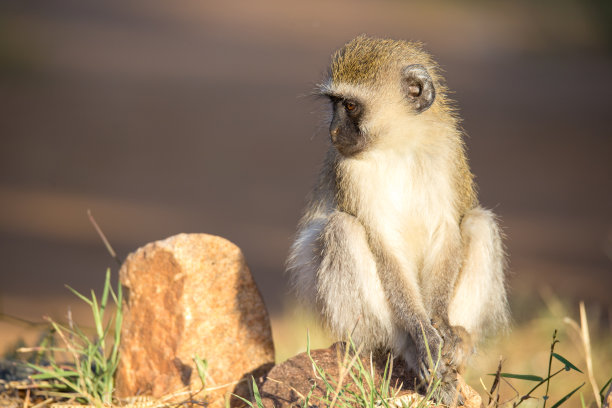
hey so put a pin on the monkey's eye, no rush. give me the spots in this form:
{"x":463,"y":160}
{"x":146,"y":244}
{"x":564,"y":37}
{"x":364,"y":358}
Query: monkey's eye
{"x":349,"y":106}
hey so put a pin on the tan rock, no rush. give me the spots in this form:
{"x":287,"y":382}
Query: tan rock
{"x":191,"y":294}
{"x":287,"y":384}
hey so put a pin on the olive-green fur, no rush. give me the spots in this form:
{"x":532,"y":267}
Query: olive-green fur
{"x":364,"y":59}
{"x":370,"y":61}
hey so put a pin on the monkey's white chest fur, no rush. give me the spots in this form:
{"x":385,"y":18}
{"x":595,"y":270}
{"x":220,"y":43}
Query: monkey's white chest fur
{"x":404,"y":199}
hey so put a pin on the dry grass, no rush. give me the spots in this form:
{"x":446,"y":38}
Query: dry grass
{"x":524,"y":350}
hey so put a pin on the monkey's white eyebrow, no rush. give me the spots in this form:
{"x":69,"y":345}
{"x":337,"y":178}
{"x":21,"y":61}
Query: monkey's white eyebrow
{"x":329,"y":93}
{"x":332,"y":95}
{"x":324,"y":88}
{"x":342,"y":92}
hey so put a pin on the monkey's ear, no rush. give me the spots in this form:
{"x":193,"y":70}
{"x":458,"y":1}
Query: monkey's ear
{"x":418,"y":87}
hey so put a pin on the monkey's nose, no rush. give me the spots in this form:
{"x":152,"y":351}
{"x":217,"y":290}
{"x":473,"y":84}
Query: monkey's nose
{"x":334,"y":133}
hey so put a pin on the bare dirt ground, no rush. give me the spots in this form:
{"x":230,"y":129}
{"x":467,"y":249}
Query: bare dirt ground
{"x":164,"y":118}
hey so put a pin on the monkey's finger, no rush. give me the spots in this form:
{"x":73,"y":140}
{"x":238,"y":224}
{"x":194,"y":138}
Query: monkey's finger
{"x":424,"y":373}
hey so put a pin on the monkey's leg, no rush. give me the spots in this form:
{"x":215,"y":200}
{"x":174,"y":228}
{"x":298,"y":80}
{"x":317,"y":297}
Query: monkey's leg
{"x":479,"y":303}
{"x":438,"y":277}
{"x":349,"y":291}
{"x":479,"y":298}
{"x":304,"y":259}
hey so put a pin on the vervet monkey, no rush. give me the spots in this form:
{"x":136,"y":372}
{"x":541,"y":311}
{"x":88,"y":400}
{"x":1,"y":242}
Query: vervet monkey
{"x":393,"y":246}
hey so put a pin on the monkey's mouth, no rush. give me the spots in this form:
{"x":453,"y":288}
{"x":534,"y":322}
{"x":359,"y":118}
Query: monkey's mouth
{"x":349,"y":146}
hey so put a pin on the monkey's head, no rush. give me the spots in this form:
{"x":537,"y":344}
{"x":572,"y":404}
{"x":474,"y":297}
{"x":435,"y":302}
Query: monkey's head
{"x":379,"y":89}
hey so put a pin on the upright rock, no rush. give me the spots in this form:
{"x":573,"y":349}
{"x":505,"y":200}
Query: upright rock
{"x":188,"y":295}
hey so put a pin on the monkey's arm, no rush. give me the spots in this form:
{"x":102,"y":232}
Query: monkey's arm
{"x":400,"y":281}
{"x":476,"y":302}
{"x":399,"y":276}
{"x":440,"y":270}
{"x":439,"y":276}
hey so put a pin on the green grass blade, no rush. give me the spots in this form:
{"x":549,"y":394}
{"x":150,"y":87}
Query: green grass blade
{"x":97,"y":314}
{"x":56,"y":349}
{"x":116,"y":296}
{"x":201,"y":367}
{"x":318,"y":370}
{"x":604,"y":388}
{"x":91,"y":376}
{"x":363,"y":395}
{"x":256,"y":393}
{"x":106,"y":289}
{"x":249,"y":403}
{"x":434,"y":388}
{"x":362,"y":378}
{"x":566,"y":362}
{"x":562,"y":400}
{"x":77,"y":332}
{"x":114,"y":357}
{"x":77,"y":294}
{"x":526,"y":377}
{"x":386,"y":379}
{"x":429,"y":357}
{"x":307,"y":400}
{"x":50,"y":374}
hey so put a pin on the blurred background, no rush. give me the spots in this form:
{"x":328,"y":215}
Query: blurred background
{"x":167,"y":117}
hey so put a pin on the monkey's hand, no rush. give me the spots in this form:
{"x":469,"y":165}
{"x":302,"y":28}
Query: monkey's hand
{"x":458,"y":344}
{"x":439,"y":363}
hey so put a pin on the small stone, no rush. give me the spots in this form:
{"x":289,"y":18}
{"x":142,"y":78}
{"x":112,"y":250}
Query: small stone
{"x":470,"y":396}
{"x":287,"y":384}
{"x":188,"y":295}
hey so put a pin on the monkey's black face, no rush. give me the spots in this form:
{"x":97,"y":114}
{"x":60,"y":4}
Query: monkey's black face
{"x":344,"y":128}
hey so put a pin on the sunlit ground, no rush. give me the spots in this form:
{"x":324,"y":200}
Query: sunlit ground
{"x":524,"y":350}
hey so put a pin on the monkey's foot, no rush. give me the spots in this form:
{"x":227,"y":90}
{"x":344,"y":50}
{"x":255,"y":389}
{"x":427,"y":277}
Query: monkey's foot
{"x":438,"y":357}
{"x":448,"y":393}
{"x":442,"y":376}
{"x":446,"y":385}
